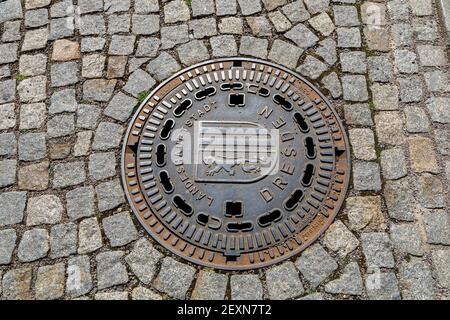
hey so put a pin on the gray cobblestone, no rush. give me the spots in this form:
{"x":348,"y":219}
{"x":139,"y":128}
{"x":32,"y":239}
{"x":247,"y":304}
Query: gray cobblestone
{"x":393,"y":163}
{"x":32,"y":89}
{"x":353,"y":62}
{"x":34,"y":245}
{"x":389,"y":127}
{"x":399,"y":200}
{"x":89,"y":236}
{"x":296,"y":11}
{"x":411,"y":89}
{"x":312,"y":68}
{"x":437,"y":227}
{"x":32,"y":146}
{"x":32,"y":65}
{"x":283,"y":282}
{"x":315,"y":264}
{"x":63,"y":74}
{"x":139,"y":81}
{"x":302,"y":36}
{"x":402,"y":34}
{"x":50,"y":282}
{"x":249,"y":7}
{"x":430,"y":191}
{"x":192,"y":52}
{"x":7,"y":172}
{"x":279,"y":21}
{"x":46,"y":209}
{"x":438,"y":111}
{"x":441,"y":261}
{"x":87,"y":116}
{"x":380,"y":68}
{"x":142,"y":293}
{"x":253,"y":47}
{"x":364,"y":213}
{"x":174,"y":35}
{"x":339,"y":239}
{"x":416,"y":120}
{"x":260,"y":26}
{"x":17,"y":284}
{"x":110,"y":270}
{"x":226,"y":7}
{"x":377,"y":249}
{"x":246,"y":287}
{"x":382,"y":286}
{"x":350,"y":282}
{"x":119,"y":229}
{"x":210,"y":286}
{"x":8,"y":239}
{"x":175,"y":11}
{"x":79,"y":279}
{"x":69,"y":174}
{"x":32,"y":116}
{"x":407,"y":238}
{"x":145,"y":24}
{"x":109,"y":195}
{"x":63,"y":240}
{"x":416,"y":280}
{"x":163,"y":66}
{"x":143,"y":260}
{"x":8,"y":89}
{"x":327,"y":51}
{"x":7,"y":116}
{"x":332,"y":83}
{"x":8,"y":144}
{"x":223,"y":46}
{"x":354,"y":88}
{"x":175,"y":278}
{"x":348,"y":37}
{"x":12,"y":206}
{"x":346,"y":16}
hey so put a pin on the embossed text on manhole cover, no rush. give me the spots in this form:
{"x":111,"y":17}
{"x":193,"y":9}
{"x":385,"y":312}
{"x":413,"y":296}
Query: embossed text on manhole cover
{"x":235,"y":164}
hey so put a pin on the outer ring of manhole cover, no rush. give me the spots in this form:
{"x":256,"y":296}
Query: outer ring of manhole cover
{"x":236,"y":164}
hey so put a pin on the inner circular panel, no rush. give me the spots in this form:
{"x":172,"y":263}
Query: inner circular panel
{"x":235,"y":164}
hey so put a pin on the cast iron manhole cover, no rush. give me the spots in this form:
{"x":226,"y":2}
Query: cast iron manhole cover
{"x":235,"y":164}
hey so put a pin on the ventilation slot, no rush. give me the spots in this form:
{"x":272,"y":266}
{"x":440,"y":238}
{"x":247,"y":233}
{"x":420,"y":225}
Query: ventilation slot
{"x":239,"y":226}
{"x":165,"y":181}
{"x":182,"y":205}
{"x":308,"y":175}
{"x":167,"y":129}
{"x":161,"y":155}
{"x":282,"y":102}
{"x":294,"y":200}
{"x":207,"y":92}
{"x":181,"y":109}
{"x":269,"y":218}
{"x":301,"y":122}
{"x":310,"y":148}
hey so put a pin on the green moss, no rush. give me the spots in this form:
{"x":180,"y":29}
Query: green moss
{"x":188,"y":2}
{"x":371,"y":106}
{"x":142,"y":96}
{"x":20,"y":77}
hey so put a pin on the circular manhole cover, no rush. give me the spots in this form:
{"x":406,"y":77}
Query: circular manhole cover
{"x":236,"y":164}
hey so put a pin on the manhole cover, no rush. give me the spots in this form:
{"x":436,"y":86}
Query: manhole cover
{"x":236,"y":164}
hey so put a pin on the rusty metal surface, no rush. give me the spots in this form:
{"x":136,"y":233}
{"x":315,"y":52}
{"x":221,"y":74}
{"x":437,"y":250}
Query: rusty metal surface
{"x":249,"y":211}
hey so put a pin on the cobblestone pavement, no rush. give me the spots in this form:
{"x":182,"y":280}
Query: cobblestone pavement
{"x":72,"y":72}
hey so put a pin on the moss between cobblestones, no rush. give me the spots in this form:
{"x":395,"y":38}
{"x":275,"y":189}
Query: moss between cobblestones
{"x":20,"y":77}
{"x":142,"y":96}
